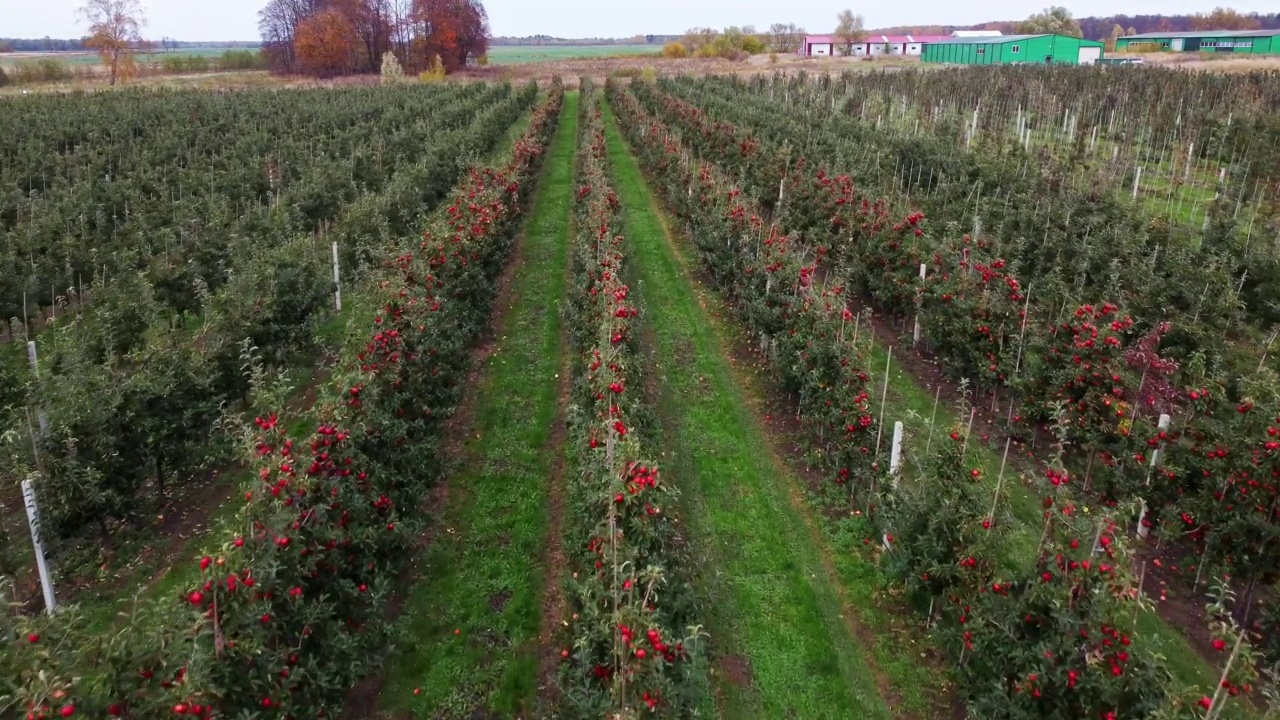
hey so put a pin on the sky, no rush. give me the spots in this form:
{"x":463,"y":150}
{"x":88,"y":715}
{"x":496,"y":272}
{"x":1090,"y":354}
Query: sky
{"x":237,"y":19}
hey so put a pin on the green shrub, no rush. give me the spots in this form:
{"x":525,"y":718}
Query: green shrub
{"x":675,"y":50}
{"x":242,"y":60}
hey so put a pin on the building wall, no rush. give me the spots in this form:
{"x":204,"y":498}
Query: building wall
{"x":1056,"y":49}
{"x":962,"y":53}
{"x":1195,"y":43}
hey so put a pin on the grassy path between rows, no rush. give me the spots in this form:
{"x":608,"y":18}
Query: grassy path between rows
{"x":784,"y":646}
{"x":472,"y":623}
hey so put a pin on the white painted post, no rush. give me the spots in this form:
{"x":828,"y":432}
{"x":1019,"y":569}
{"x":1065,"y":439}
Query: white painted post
{"x":895,"y":455}
{"x":34,"y":362}
{"x":915,"y":334}
{"x":33,"y":521}
{"x":884,"y":396}
{"x":1186,"y":174}
{"x":1136,"y":178}
{"x":1162,"y":424}
{"x":1155,"y":457}
{"x":1022,"y":334}
{"x":337,"y":280}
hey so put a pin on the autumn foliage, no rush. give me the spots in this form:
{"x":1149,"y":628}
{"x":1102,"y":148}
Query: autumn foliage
{"x":325,"y":44}
{"x":330,"y":37}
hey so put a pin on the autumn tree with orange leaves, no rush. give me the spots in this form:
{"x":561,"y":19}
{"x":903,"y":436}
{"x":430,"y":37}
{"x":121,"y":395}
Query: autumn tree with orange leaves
{"x":453,"y":29}
{"x":416,"y":31}
{"x":325,"y":44}
{"x":115,"y":31}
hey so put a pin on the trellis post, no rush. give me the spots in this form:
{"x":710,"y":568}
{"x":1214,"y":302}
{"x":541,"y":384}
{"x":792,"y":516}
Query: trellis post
{"x":33,"y":521}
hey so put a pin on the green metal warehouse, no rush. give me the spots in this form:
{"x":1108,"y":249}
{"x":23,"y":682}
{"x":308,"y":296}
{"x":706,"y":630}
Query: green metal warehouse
{"x":1255,"y":42}
{"x":1011,"y":49}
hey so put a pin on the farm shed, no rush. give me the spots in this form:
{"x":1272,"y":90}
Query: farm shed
{"x":1012,"y":49}
{"x":1255,"y":42}
{"x":895,"y":44}
{"x":818,"y":46}
{"x":824,"y":45}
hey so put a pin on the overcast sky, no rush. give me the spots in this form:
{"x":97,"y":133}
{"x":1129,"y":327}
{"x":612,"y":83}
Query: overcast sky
{"x":237,"y":19}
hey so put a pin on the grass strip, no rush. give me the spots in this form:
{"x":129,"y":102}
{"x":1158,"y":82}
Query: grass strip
{"x":772,"y":608}
{"x":473,"y":621}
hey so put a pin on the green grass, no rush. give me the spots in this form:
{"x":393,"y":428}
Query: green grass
{"x":482,"y":574}
{"x":772,"y":605}
{"x":516,"y":54}
{"x":76,"y":58}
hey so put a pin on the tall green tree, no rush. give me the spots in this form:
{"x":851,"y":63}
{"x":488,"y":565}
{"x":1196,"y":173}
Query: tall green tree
{"x":1055,"y":20}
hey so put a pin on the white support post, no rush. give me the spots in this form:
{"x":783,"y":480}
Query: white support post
{"x":33,"y":521}
{"x":895,"y":454}
{"x":884,"y":396}
{"x":1022,"y":334}
{"x":1163,"y":424}
{"x":337,"y":280}
{"x":915,"y":334}
{"x":1137,"y":177}
{"x":34,"y":361}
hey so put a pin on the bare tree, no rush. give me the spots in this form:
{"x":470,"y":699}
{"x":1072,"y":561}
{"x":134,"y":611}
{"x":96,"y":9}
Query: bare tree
{"x":115,"y":29}
{"x":785,"y":37}
{"x":278,"y":22}
{"x":696,"y":38}
{"x":850,"y":30}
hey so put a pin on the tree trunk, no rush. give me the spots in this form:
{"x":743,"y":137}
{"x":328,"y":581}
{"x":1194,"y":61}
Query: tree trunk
{"x":115,"y":64}
{"x":159,"y":473}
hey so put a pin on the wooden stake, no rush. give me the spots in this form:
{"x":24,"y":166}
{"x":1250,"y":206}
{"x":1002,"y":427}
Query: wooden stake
{"x":1215,"y":707}
{"x":932,"y":417}
{"x":991,"y":516}
{"x":964,"y":449}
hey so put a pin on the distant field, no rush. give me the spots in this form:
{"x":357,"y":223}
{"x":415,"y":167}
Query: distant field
{"x":88,"y":58}
{"x":516,"y":54}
